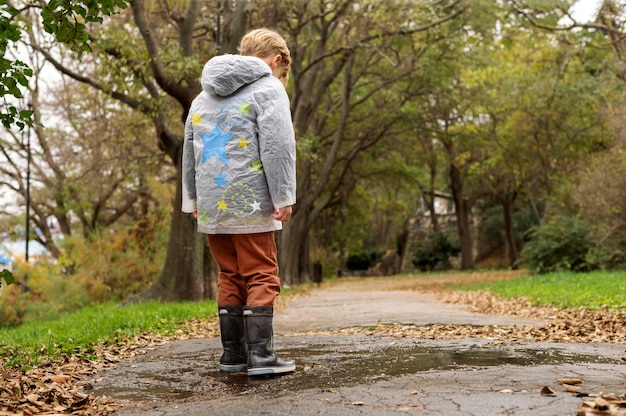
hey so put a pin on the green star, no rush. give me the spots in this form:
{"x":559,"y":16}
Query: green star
{"x":244,"y":109}
{"x":257,"y":166}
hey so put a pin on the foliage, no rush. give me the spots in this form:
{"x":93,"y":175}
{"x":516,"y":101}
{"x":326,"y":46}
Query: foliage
{"x":435,"y":250}
{"x":107,"y":323}
{"x":64,"y":19}
{"x":363,"y":260}
{"x":590,"y":290}
{"x":597,"y":193}
{"x":49,"y":293}
{"x":383,"y":108}
{"x":8,"y":278}
{"x":113,"y":265}
{"x":109,"y":265}
{"x":562,"y":243}
{"x":14,"y":74}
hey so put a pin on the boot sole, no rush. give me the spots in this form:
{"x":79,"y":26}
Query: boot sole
{"x":233,"y":367}
{"x":264,"y":371}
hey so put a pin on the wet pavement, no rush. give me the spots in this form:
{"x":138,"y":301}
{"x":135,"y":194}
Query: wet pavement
{"x":368,"y":374}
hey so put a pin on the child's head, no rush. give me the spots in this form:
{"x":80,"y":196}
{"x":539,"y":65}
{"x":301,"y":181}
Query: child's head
{"x":271,"y":47}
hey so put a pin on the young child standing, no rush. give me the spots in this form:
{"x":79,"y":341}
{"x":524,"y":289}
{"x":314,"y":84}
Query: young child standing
{"x":239,"y":181}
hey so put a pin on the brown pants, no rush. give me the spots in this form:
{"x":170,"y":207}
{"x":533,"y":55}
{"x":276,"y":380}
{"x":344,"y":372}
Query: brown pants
{"x":248,"y":269}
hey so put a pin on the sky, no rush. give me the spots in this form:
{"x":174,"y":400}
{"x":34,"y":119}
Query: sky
{"x":584,"y":11}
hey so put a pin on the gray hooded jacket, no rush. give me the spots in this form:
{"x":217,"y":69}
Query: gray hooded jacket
{"x":239,"y":154}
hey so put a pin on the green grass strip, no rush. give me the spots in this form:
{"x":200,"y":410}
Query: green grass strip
{"x":95,"y":325}
{"x":594,"y":290}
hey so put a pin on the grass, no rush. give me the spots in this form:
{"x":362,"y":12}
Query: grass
{"x":106,"y":323}
{"x":594,"y":290}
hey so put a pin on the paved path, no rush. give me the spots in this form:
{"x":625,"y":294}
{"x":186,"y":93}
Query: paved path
{"x":367,"y":302}
{"x":368,"y":375}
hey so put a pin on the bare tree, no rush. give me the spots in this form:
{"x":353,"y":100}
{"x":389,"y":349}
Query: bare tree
{"x":94,"y":169}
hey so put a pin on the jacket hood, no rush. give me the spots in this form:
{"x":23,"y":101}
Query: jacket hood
{"x":225,"y":74}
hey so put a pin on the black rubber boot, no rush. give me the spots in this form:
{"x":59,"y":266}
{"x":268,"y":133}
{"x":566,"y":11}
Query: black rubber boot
{"x":262,"y":359}
{"x":235,"y":356}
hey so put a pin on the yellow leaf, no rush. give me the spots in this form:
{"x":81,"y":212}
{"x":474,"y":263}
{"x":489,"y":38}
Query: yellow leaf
{"x":571,"y":388}
{"x":569,"y":380}
{"x":60,"y":378}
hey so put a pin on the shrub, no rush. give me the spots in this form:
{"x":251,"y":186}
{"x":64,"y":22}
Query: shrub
{"x":363,"y":260}
{"x":562,"y":243}
{"x":436,"y":250}
{"x":108,"y":265}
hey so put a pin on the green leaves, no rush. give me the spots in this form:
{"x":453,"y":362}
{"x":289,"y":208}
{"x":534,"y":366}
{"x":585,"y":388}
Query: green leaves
{"x":8,"y":277}
{"x":66,"y":19}
{"x":13,"y":74}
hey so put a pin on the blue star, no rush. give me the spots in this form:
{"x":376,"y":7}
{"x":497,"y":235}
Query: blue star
{"x":215,"y":144}
{"x":220,"y":180}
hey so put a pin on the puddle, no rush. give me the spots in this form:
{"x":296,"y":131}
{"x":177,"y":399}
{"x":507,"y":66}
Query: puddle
{"x":325,"y":365}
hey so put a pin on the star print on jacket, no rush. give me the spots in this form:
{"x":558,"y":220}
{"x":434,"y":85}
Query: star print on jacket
{"x":257,"y":166}
{"x":196,"y":118}
{"x":245,"y":108}
{"x":215,"y":144}
{"x":220,"y":180}
{"x":244,"y":143}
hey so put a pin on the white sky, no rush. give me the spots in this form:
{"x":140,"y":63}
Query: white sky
{"x":583,"y":11}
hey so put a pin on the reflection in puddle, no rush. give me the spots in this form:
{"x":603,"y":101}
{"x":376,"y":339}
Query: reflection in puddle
{"x":319,"y":366}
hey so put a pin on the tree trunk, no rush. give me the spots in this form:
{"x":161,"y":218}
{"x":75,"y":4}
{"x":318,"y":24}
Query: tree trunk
{"x":462,"y":217}
{"x":292,"y":250}
{"x":236,"y":22}
{"x":188,"y":273}
{"x":507,"y":207}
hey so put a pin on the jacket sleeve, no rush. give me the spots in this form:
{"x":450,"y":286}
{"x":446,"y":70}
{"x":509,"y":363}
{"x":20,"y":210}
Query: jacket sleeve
{"x":277,"y":147}
{"x":189,"y":170}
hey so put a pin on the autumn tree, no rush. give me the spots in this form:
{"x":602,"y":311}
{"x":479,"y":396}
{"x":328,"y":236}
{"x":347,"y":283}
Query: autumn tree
{"x":594,"y":188}
{"x":349,"y":61}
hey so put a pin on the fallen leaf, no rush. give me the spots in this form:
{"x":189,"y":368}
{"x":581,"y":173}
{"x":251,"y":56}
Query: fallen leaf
{"x":571,"y":388}
{"x":34,"y":399}
{"x":569,"y":380}
{"x":547,"y":391}
{"x":601,"y":403}
{"x":60,"y":378}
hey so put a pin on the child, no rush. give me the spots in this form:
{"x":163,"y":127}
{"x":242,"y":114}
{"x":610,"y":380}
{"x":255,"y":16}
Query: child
{"x":239,"y":181}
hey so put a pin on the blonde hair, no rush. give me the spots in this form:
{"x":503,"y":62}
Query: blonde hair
{"x":263,"y":43}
